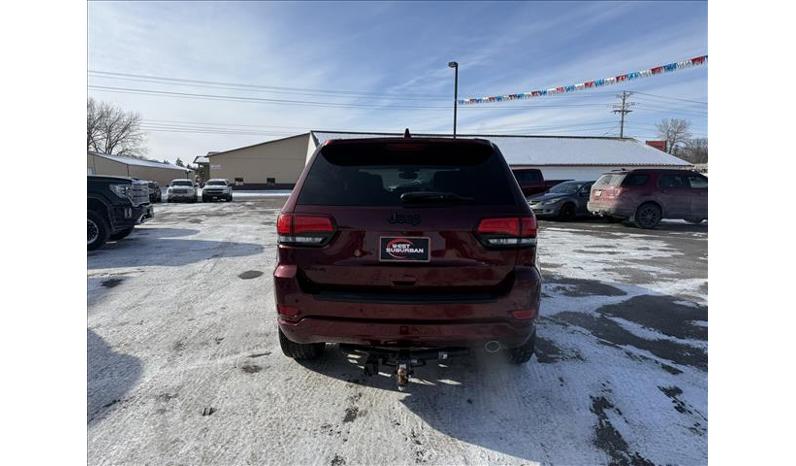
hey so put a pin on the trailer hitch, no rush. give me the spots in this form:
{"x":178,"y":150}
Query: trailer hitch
{"x":403,"y":361}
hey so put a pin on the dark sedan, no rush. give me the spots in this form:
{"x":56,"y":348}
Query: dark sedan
{"x":565,"y":200}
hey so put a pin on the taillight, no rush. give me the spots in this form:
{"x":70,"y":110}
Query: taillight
{"x":304,"y":230}
{"x":507,"y":231}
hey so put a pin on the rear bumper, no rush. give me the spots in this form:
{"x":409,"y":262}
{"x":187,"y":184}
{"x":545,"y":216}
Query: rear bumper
{"x":610,"y":208}
{"x":410,"y":335}
{"x":467,"y":323}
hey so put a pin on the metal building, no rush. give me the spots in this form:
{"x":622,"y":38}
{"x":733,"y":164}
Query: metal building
{"x":114,"y":165}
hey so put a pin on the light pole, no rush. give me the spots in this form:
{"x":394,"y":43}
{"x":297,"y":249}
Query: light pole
{"x":455,"y":66}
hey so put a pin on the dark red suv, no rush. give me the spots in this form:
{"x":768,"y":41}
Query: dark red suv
{"x":405,"y":245}
{"x":645,"y":196}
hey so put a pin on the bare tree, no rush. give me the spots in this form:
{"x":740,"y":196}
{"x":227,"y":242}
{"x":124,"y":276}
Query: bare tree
{"x":675,"y":132}
{"x":695,"y":150}
{"x":111,"y":130}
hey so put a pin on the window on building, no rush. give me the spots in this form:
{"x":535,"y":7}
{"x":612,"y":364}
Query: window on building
{"x":270,"y":180}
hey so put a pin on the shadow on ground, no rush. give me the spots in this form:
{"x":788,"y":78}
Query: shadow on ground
{"x":111,"y":376}
{"x":166,"y":247}
{"x":590,"y":222}
{"x":524,"y":411}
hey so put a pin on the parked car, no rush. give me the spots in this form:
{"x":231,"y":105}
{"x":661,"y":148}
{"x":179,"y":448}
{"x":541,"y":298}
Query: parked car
{"x":565,"y":200}
{"x":115,"y":206}
{"x":645,"y":196}
{"x":406,"y":249}
{"x":532,"y":181}
{"x":216,"y":188}
{"x":155,"y":194}
{"x":182,"y":190}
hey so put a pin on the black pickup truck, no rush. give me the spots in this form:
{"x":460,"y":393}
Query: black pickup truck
{"x":115,"y":206}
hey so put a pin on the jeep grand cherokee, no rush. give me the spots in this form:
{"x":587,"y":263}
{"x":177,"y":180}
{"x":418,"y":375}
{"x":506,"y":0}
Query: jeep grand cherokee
{"x":407,"y":243}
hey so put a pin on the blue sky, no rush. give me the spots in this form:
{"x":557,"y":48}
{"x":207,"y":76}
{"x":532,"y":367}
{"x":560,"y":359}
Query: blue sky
{"x":390,"y":62}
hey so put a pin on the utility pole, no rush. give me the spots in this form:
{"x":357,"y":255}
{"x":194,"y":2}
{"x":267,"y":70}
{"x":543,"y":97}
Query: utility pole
{"x":623,"y":109}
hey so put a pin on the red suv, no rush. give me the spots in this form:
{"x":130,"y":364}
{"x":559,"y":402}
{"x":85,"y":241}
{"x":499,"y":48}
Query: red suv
{"x":406,"y":247}
{"x":646,"y":196}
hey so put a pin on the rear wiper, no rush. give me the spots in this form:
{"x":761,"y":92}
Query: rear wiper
{"x":432,"y":196}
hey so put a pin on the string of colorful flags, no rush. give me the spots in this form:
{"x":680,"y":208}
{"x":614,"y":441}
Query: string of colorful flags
{"x":680,"y":65}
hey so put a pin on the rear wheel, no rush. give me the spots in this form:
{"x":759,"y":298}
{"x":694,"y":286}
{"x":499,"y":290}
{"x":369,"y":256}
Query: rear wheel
{"x":567,"y":211}
{"x":648,"y":215}
{"x":300,"y":351}
{"x":523,"y":353}
{"x":122,"y":234}
{"x":98,"y":230}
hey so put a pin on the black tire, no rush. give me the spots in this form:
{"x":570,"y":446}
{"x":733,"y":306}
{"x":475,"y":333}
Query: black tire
{"x":98,"y":230}
{"x":229,"y":198}
{"x":695,"y":220}
{"x":299,"y":351}
{"x":648,"y":215}
{"x":523,"y":354}
{"x":204,"y":199}
{"x":567,"y":211}
{"x":122,"y":234}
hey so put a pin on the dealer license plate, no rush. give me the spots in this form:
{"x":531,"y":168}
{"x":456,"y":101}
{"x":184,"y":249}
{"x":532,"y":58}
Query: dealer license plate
{"x":404,"y":249}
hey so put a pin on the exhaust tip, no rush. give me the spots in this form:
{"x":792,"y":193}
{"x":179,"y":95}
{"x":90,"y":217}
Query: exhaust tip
{"x":492,"y":346}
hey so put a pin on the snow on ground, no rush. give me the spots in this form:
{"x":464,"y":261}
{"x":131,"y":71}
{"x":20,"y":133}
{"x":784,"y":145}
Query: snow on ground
{"x":185,"y":367}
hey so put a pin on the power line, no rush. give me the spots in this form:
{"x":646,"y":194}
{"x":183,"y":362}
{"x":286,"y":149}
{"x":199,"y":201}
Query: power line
{"x":670,"y":98}
{"x":198,"y":127}
{"x":188,"y":95}
{"x":259,"y":86}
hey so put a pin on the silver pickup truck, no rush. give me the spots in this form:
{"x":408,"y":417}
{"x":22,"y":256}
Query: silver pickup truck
{"x":182,"y":190}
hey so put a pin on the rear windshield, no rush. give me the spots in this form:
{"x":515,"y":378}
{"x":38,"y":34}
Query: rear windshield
{"x":378,"y":174}
{"x":610,"y":180}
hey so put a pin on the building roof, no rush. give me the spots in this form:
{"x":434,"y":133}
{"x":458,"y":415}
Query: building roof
{"x":139,"y":162}
{"x":212,"y":154}
{"x":201,"y":159}
{"x":551,"y":150}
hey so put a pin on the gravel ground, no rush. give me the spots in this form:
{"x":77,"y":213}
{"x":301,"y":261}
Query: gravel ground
{"x":184,"y":365}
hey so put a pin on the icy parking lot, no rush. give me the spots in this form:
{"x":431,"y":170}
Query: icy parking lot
{"x":184,"y":365}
